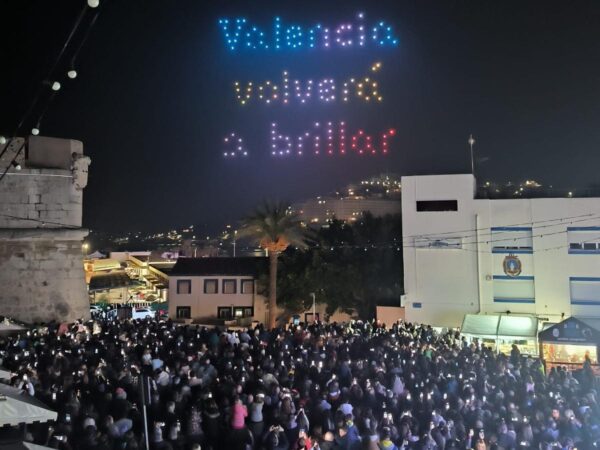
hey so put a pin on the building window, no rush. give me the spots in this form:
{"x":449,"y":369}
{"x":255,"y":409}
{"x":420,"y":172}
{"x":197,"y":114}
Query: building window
{"x":585,"y":291}
{"x":211,"y":286}
{"x":224,"y":312}
{"x":512,"y":240}
{"x":229,"y":286}
{"x":434,"y":242}
{"x":583,"y":240}
{"x":184,"y":312}
{"x":437,"y":205}
{"x":517,"y":289}
{"x":247,"y":286}
{"x":184,"y":286}
{"x":242,"y":312}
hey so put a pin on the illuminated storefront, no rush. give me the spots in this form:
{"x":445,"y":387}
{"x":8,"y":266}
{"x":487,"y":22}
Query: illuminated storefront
{"x":571,"y":342}
{"x":500,"y":332}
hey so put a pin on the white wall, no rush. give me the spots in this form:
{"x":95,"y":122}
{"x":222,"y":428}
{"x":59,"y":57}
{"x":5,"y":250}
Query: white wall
{"x":449,"y":283}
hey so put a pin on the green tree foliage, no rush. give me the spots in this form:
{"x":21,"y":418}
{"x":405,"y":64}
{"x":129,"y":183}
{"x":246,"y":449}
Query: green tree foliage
{"x":350,"y":267}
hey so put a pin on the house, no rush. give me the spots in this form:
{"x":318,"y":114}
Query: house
{"x":216,"y":288}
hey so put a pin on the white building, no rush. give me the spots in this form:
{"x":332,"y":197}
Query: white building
{"x":466,"y":255}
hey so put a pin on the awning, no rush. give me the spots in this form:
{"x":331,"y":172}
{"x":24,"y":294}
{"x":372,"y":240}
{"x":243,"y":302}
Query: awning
{"x":480,"y":324}
{"x":518,"y":326}
{"x":496,"y":325}
{"x":17,"y":407}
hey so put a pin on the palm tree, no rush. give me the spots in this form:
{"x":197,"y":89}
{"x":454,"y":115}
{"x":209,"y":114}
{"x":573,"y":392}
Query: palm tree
{"x":274,"y":227}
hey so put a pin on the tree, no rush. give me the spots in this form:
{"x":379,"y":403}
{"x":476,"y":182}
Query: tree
{"x":351,"y":267}
{"x":274,"y":227}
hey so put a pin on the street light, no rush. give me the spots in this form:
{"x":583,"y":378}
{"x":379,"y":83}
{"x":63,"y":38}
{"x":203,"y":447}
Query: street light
{"x":312,"y":294}
{"x":471,"y":142}
{"x":85,"y":247}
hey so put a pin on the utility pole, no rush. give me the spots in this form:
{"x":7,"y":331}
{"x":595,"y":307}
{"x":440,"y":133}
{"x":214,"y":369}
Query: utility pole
{"x":312,"y":294}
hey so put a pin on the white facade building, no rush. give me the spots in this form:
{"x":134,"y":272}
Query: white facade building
{"x":524,"y":256}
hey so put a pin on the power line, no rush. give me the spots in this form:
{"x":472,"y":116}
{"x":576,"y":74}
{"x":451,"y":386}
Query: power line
{"x":473,"y":231}
{"x":55,"y":86}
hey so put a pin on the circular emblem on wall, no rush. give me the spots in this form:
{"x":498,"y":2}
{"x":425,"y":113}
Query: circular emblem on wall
{"x":512,"y":266}
{"x":555,"y":333}
{"x":587,"y":333}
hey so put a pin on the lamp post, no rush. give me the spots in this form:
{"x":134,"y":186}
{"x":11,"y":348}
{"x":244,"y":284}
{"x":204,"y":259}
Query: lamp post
{"x":312,"y":294}
{"x":234,"y":238}
{"x":471,"y":142}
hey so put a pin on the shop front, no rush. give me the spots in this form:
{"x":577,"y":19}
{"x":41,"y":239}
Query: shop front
{"x":570,"y":342}
{"x":501,"y":331}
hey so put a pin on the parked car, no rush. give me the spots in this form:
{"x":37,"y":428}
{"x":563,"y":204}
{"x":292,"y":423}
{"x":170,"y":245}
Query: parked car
{"x":127,"y":312}
{"x":96,"y":311}
{"x":142,"y":313}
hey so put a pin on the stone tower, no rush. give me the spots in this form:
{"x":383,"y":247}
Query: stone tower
{"x":41,"y":258}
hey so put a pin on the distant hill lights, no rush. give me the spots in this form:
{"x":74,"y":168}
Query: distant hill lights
{"x":239,"y":34}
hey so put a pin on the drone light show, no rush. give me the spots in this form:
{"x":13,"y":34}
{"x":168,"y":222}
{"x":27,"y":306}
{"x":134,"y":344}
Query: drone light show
{"x":326,"y":90}
{"x":333,"y":137}
{"x":328,"y":138}
{"x":240,"y":34}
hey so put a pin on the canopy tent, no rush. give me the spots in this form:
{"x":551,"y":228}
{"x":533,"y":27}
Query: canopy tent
{"x":5,"y":374}
{"x":22,"y":445}
{"x":570,"y":342}
{"x":501,"y":331}
{"x":96,"y":255}
{"x":17,"y":407}
{"x":6,"y":326}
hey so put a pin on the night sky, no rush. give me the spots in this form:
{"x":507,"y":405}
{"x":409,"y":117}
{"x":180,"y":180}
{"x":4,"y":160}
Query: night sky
{"x":154,"y":99}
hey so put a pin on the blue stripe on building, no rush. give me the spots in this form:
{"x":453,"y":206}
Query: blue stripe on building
{"x":585,"y":279}
{"x":586,"y":302}
{"x":583,"y":228}
{"x":514,"y":300}
{"x":583,"y":252}
{"x":512,"y":252}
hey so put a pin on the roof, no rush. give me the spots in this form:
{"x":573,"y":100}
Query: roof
{"x":110,"y":280}
{"x":164,"y":267}
{"x":105,"y":264}
{"x":573,"y":330}
{"x":248,"y":266}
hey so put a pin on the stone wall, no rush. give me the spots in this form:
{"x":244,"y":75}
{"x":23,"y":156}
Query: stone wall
{"x":42,"y":276}
{"x":41,"y":260}
{"x":33,"y":195}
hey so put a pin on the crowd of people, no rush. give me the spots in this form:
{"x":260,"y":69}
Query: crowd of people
{"x":323,"y":386}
